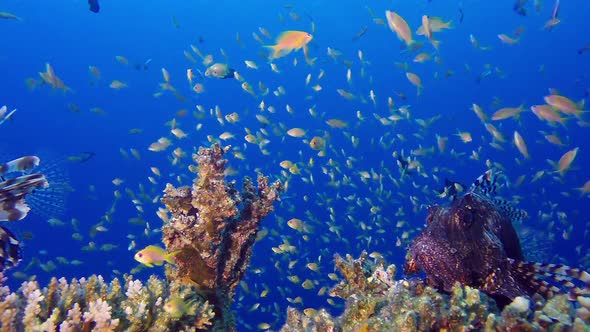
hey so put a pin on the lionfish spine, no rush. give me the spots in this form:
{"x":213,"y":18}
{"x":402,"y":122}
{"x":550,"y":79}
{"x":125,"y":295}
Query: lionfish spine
{"x":23,"y":164}
{"x":22,"y":185}
{"x":507,"y":209}
{"x":485,"y":183}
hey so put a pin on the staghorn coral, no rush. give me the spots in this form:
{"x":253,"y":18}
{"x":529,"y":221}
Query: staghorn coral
{"x":93,"y":305}
{"x":375,"y":301}
{"x":214,"y":227}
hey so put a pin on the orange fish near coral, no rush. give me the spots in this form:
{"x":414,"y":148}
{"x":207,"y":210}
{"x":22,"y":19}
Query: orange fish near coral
{"x":154,"y":255}
{"x":289,"y":41}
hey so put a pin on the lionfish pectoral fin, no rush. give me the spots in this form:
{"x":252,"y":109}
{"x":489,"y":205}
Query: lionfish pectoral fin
{"x":500,"y":283}
{"x":551,"y":279}
{"x":23,"y":164}
{"x":512,"y":281}
{"x":10,"y":249}
{"x":12,"y":195}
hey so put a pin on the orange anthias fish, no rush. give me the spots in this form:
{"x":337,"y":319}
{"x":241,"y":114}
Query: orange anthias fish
{"x":154,"y":255}
{"x":398,"y":25}
{"x":288,"y":41}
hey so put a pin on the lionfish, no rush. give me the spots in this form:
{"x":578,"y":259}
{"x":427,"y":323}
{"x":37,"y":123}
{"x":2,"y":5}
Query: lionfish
{"x":472,"y":241}
{"x":13,"y":206}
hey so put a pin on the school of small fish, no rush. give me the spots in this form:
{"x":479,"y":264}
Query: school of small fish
{"x":361,"y":146}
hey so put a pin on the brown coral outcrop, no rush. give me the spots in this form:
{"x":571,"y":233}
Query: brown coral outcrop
{"x":215,"y":228}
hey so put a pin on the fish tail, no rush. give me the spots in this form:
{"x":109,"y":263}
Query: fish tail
{"x":275,"y":51}
{"x":309,"y":61}
{"x":169,"y":258}
{"x":435,"y":44}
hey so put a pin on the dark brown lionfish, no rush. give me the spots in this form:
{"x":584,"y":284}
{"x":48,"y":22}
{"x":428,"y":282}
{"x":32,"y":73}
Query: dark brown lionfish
{"x":472,"y":241}
{"x":13,"y":206}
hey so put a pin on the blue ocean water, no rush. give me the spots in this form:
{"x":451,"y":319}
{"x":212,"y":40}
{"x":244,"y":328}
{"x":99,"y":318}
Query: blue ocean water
{"x":71,"y":38}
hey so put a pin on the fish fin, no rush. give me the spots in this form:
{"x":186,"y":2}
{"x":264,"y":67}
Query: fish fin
{"x":191,"y":307}
{"x":12,"y":195}
{"x":485,"y":183}
{"x":551,"y":279}
{"x":308,"y":60}
{"x":23,"y":164}
{"x":275,"y":51}
{"x":435,"y":44}
{"x":284,"y":34}
{"x":501,"y":283}
{"x":169,"y":258}
{"x":451,"y":190}
{"x":509,"y":211}
{"x":149,"y":264}
{"x":13,"y":209}
{"x":10,"y":249}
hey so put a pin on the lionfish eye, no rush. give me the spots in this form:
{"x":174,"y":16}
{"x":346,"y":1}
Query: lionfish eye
{"x":465,"y":216}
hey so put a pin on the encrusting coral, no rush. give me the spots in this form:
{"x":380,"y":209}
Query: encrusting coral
{"x":375,"y":301}
{"x":214,"y":227}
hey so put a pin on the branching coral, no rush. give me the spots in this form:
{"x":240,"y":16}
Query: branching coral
{"x":214,"y":227}
{"x":93,"y":305}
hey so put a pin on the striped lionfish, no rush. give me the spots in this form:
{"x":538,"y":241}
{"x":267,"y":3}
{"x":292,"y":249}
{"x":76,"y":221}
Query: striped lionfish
{"x":472,"y":241}
{"x":13,"y":206}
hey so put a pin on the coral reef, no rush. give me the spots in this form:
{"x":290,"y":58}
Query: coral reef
{"x":214,"y":227}
{"x":94,"y":305}
{"x":375,"y":301}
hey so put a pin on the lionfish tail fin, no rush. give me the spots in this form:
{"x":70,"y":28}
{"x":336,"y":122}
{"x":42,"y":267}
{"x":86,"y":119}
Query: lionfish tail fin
{"x":551,"y":279}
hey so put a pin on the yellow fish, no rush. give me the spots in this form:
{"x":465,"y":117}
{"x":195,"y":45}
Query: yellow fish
{"x":288,"y":41}
{"x":154,"y":255}
{"x":177,"y":308}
